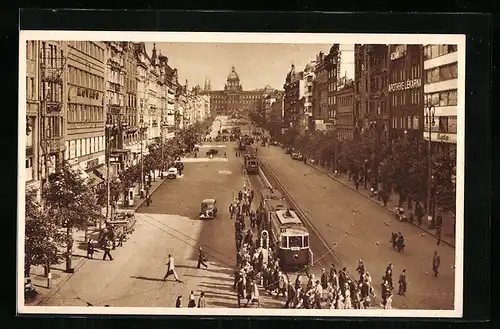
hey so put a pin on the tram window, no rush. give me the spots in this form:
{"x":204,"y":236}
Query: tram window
{"x":295,"y":241}
{"x":306,"y":241}
{"x":284,"y":243}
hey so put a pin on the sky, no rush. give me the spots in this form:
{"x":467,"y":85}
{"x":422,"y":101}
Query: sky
{"x":257,"y":65}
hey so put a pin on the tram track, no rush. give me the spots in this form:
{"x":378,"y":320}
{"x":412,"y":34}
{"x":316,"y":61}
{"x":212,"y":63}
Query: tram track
{"x":322,"y":250}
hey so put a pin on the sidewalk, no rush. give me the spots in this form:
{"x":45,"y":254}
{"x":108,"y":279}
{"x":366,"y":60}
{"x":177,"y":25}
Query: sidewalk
{"x":79,"y":258}
{"x":447,"y":235}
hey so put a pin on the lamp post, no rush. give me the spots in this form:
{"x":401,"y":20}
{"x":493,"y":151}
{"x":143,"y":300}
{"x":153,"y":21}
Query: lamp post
{"x":109,"y":126}
{"x":141,"y":132}
{"x":430,"y":111}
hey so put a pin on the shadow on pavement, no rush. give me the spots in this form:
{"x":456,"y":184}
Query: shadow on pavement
{"x":234,"y":304}
{"x":221,"y":271}
{"x":208,"y":277}
{"x":147,"y":279}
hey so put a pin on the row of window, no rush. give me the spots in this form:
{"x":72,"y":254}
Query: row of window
{"x":433,"y":51}
{"x":406,"y":73}
{"x":89,"y":48}
{"x":52,"y":56}
{"x":345,"y":118}
{"x":116,"y":76}
{"x":81,"y":147}
{"x":345,"y":135}
{"x":31,"y":50}
{"x":85,"y":79}
{"x":30,"y":88}
{"x":85,"y":113}
{"x":51,"y":92}
{"x":115,"y":98}
{"x":53,"y":127}
{"x":347,"y":100}
{"x":406,"y":122}
{"x":442,"y":98}
{"x":441,"y":73}
{"x":400,"y":97}
{"x":444,"y":124}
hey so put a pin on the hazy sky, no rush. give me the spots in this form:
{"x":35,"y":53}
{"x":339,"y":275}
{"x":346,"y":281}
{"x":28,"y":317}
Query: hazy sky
{"x":257,"y":65}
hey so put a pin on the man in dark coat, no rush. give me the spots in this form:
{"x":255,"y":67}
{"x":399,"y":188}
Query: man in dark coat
{"x":201,"y":258}
{"x":292,"y":294}
{"x":324,"y":278}
{"x":419,"y":212}
{"x":402,"y":283}
{"x":436,"y":261}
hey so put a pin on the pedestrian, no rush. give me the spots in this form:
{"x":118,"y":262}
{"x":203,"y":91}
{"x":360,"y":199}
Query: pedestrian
{"x":385,"y":198}
{"x":400,"y":242}
{"x":192,"y":302}
{"x":201,"y":300}
{"x":361,"y":270}
{"x":318,"y":294}
{"x":419,"y":212}
{"x":436,"y":261}
{"x":438,"y":235}
{"x":394,"y":239}
{"x":347,"y":300}
{"x":324,"y":278}
{"x":388,"y":275}
{"x":358,"y":180}
{"x":178,"y":302}
{"x":121,"y":237}
{"x":148,"y":200}
{"x":201,"y":258}
{"x":402,"y":283}
{"x":107,"y":248}
{"x":90,"y":249}
{"x":292,"y":295}
{"x":171,"y":269}
{"x":240,"y":195}
{"x":231,"y":210}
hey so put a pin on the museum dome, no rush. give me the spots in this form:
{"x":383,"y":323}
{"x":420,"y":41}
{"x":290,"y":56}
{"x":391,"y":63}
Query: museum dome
{"x":233,"y":76}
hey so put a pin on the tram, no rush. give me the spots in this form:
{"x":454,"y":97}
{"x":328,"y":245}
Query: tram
{"x":251,"y":164}
{"x":287,"y":233}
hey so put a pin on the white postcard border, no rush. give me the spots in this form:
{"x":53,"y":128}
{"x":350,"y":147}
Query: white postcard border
{"x":209,"y":37}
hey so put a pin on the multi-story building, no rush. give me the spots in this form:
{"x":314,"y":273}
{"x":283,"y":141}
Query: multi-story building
{"x":52,"y":83}
{"x":130,"y":120}
{"x":332,"y":64}
{"x":321,"y":99}
{"x":32,"y":169}
{"x":371,"y":91}
{"x":344,"y":108}
{"x":154,"y":94}
{"x":307,"y":120}
{"x":181,"y":107}
{"x":85,"y":117}
{"x":294,"y":89}
{"x":233,"y":99}
{"x":440,"y":88}
{"x":120,"y":157}
{"x":406,"y":94}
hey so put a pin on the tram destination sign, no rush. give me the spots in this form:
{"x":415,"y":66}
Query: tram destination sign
{"x":405,"y":85}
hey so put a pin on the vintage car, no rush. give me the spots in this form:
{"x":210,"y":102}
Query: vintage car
{"x":172,"y":173}
{"x":212,"y":152}
{"x":297,"y":156}
{"x":208,"y":209}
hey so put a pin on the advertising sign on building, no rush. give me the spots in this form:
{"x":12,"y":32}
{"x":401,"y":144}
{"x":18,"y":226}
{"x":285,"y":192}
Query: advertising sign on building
{"x":398,"y":51}
{"x":405,"y":85}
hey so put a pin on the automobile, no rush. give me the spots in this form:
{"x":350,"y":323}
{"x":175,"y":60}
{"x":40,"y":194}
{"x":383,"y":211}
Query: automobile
{"x":297,"y":156}
{"x":208,"y":209}
{"x":275,"y":143}
{"x":172,"y":173}
{"x":212,"y":152}
{"x":288,"y":150}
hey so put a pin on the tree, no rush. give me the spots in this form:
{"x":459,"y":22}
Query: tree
{"x":443,"y":169}
{"x":41,"y":235}
{"x":71,"y":204}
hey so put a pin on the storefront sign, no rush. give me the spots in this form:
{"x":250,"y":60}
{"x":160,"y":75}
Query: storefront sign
{"x":443,"y":137}
{"x":405,"y":85}
{"x":398,"y":51}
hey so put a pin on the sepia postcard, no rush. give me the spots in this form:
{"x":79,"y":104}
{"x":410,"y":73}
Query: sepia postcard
{"x":261,"y":174}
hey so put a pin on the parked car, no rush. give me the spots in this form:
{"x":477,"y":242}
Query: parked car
{"x":208,"y":209}
{"x":172,"y":173}
{"x":297,"y":156}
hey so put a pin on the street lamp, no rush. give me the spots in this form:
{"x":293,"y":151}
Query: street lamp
{"x":430,"y":111}
{"x":109,"y":127}
{"x":406,"y":135}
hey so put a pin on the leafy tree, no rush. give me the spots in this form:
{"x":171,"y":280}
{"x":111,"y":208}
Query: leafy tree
{"x":42,"y":236}
{"x":443,"y":169}
{"x":71,"y":203}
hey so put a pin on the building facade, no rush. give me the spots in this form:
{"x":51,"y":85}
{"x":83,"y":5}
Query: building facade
{"x":307,"y":118}
{"x":344,"y":107}
{"x":320,"y":93}
{"x":233,"y":99}
{"x":371,"y":91}
{"x":293,"y":94}
{"x":85,"y":117}
{"x":32,"y":169}
{"x":52,"y":87}
{"x":332,"y":68}
{"x":440,"y":88}
{"x":406,"y":91}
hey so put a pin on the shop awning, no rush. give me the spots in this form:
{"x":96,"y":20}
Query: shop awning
{"x":102,"y":171}
{"x":93,"y":179}
{"x":78,"y":168}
